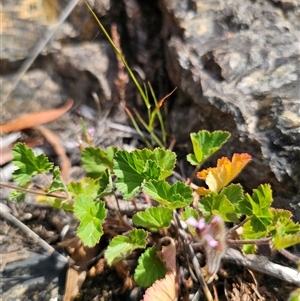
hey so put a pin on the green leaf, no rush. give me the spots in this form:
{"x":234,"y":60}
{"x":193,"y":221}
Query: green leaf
{"x":86,"y":186}
{"x":151,"y":170}
{"x":164,"y":159}
{"x":259,"y":206}
{"x":150,"y":268}
{"x":91,"y":215}
{"x":57,"y":181}
{"x":104,"y":185}
{"x":29,"y":164}
{"x":205,"y":144}
{"x":17,"y":195}
{"x":189,"y":212}
{"x":129,"y":170}
{"x":218,"y":204}
{"x":283,"y":240}
{"x":95,"y":160}
{"x":284,"y":231}
{"x":175,"y":196}
{"x":153,"y":218}
{"x":55,"y":202}
{"x":234,"y":193}
{"x":253,"y":229}
{"x":133,"y":169}
{"x":224,"y":204}
{"x":121,"y":246}
{"x":249,"y":249}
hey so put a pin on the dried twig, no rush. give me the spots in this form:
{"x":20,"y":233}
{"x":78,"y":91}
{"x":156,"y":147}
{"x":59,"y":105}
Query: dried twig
{"x":195,"y":262}
{"x":263,"y":265}
{"x":9,"y":217}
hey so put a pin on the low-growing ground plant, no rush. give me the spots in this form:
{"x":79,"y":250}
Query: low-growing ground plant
{"x":123,"y":174}
{"x":215,"y":216}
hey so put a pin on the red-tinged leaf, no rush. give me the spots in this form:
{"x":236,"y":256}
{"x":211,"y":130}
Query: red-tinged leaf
{"x":218,"y":177}
{"x":163,"y":289}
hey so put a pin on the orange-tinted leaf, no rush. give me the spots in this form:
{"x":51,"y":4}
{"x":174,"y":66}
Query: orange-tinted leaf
{"x":162,"y":290}
{"x":218,"y":177}
{"x":34,"y":119}
{"x":203,"y":191}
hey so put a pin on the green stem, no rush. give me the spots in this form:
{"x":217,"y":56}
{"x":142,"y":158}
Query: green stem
{"x":152,"y":134}
{"x":120,"y":55}
{"x":160,"y":119}
{"x":137,"y":128}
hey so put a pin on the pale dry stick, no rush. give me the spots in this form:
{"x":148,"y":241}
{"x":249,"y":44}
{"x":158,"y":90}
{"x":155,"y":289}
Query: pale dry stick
{"x":39,"y":47}
{"x":195,"y":262}
{"x":290,"y":256}
{"x":50,"y":250}
{"x":40,"y":193}
{"x":263,"y":265}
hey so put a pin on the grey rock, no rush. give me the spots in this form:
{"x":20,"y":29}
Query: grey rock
{"x":91,"y":57}
{"x":36,"y":91}
{"x":238,"y":63}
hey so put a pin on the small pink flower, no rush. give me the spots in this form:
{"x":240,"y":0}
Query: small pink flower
{"x":211,"y":241}
{"x":91,"y":132}
{"x":213,"y":238}
{"x":196,"y":224}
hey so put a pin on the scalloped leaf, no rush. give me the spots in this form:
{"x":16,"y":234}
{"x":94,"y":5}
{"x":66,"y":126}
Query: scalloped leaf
{"x":153,"y":218}
{"x":129,"y":170}
{"x":218,"y":177}
{"x":150,"y":268}
{"x":96,"y":160}
{"x":217,"y":204}
{"x":189,"y":212}
{"x":133,"y":169}
{"x":224,"y":204}
{"x":95,"y":188}
{"x":57,"y":181}
{"x":173,"y":196}
{"x":249,"y":249}
{"x":205,"y":144}
{"x":283,"y":240}
{"x":29,"y":165}
{"x":165,"y":159}
{"x":55,"y":202}
{"x":86,"y":186}
{"x":284,"y":231}
{"x":105,"y":186}
{"x":91,"y":215}
{"x":122,"y":246}
{"x":258,"y":206}
{"x":254,"y":229}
